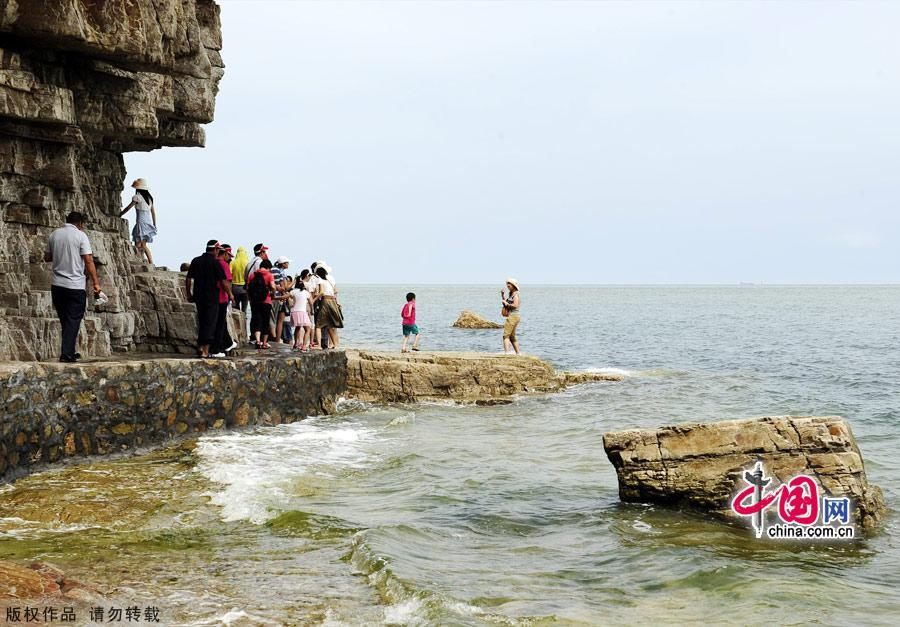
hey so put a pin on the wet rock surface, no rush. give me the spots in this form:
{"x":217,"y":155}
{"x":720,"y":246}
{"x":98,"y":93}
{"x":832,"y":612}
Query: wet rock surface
{"x":40,"y":581}
{"x":464,"y":377}
{"x":702,"y":465}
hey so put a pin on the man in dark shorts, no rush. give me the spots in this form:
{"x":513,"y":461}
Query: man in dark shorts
{"x":202,"y":287}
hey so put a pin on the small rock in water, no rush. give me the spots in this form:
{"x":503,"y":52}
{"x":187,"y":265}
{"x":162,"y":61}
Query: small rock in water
{"x":470,"y":320}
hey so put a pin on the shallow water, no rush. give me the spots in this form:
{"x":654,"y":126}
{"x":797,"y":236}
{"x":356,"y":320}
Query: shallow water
{"x":445,"y":514}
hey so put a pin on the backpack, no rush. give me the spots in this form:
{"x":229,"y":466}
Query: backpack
{"x":257,"y":289}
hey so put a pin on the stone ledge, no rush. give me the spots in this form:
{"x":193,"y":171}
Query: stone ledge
{"x":482,"y":378}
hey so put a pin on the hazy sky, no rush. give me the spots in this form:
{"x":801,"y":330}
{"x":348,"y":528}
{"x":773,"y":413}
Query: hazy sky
{"x":570,"y":142}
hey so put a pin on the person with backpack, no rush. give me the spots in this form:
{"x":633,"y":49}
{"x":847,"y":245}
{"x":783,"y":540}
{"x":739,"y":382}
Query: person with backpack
{"x":260,"y":252}
{"x":260,"y":289}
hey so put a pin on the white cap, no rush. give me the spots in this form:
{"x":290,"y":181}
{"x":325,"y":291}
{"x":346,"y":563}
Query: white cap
{"x":282,"y":260}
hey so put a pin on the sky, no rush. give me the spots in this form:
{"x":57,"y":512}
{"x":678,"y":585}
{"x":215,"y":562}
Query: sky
{"x":556,"y":142}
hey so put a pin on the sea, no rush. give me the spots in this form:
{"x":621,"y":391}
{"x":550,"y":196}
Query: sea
{"x":449,"y":514}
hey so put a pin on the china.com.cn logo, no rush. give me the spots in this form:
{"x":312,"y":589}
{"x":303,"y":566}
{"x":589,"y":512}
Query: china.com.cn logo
{"x":799,"y":508}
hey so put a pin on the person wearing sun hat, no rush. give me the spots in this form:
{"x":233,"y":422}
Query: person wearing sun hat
{"x":511,"y":305}
{"x":202,"y":287}
{"x":145,"y":221}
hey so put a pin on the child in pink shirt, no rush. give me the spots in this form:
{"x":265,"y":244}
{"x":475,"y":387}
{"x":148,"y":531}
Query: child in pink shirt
{"x":408,"y":314}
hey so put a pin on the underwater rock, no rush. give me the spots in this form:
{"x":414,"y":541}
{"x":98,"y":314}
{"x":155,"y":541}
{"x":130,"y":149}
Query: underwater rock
{"x":577,"y":378}
{"x":41,"y":581}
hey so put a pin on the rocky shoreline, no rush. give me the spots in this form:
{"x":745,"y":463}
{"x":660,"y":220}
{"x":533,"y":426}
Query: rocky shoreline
{"x":55,"y":412}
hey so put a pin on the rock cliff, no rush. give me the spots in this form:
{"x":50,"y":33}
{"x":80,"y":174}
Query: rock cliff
{"x":82,"y":82}
{"x":702,"y":465}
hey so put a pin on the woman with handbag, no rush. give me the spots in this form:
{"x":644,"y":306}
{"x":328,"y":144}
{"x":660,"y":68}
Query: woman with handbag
{"x":510,"y":311}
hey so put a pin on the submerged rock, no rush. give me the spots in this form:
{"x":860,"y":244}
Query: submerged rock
{"x":703,"y":465}
{"x":471,"y":320}
{"x":41,"y":581}
{"x":577,"y":378}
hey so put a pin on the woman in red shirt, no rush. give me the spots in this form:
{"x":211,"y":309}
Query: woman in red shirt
{"x":260,"y":288}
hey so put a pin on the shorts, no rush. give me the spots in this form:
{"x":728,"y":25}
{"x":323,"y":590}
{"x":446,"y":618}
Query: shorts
{"x":509,"y":329}
{"x":300,"y":319}
{"x":410,"y":329}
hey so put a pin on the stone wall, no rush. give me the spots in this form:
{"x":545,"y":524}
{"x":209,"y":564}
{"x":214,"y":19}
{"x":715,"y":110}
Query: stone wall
{"x":82,"y":82}
{"x":55,"y":411}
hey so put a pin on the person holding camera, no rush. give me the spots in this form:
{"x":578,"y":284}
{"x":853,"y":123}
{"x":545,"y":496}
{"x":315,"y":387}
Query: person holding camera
{"x":510,"y":309}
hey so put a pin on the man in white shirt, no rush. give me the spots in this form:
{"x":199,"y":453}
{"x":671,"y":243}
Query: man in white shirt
{"x":70,"y":251}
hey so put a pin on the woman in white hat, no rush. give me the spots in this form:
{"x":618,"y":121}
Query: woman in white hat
{"x":145,"y":223}
{"x":511,"y":306}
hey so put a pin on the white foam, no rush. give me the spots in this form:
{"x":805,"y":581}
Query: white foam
{"x":622,"y":372}
{"x":640,"y":525}
{"x":232,"y":616}
{"x":255,"y":472}
{"x":408,"y":612}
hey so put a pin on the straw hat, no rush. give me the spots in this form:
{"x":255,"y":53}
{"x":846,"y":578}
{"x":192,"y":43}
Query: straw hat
{"x":140,"y":184}
{"x":514,"y":283}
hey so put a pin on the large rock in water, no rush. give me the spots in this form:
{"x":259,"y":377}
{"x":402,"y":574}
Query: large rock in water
{"x":82,"y":82}
{"x":463,"y":377}
{"x":702,"y":465}
{"x":471,"y":320}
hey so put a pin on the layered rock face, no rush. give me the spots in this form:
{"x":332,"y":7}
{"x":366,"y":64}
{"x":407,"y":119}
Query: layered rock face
{"x":702,"y":465}
{"x":81,"y":82}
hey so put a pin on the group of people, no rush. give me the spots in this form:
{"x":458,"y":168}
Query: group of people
{"x":302,"y":310}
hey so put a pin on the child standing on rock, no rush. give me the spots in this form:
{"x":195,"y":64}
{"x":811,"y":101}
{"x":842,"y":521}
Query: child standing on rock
{"x":300,"y":320}
{"x":408,"y":314}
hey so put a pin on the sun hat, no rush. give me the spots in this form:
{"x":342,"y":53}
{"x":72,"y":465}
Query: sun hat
{"x":326,"y":267}
{"x":282,"y":260}
{"x":513,"y":282}
{"x":140,"y":184}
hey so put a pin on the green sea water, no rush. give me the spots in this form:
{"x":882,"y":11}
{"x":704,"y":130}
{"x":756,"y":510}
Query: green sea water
{"x":435,"y":514}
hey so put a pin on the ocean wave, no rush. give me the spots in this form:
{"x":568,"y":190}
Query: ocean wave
{"x":631,"y":373}
{"x":258,"y":476}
